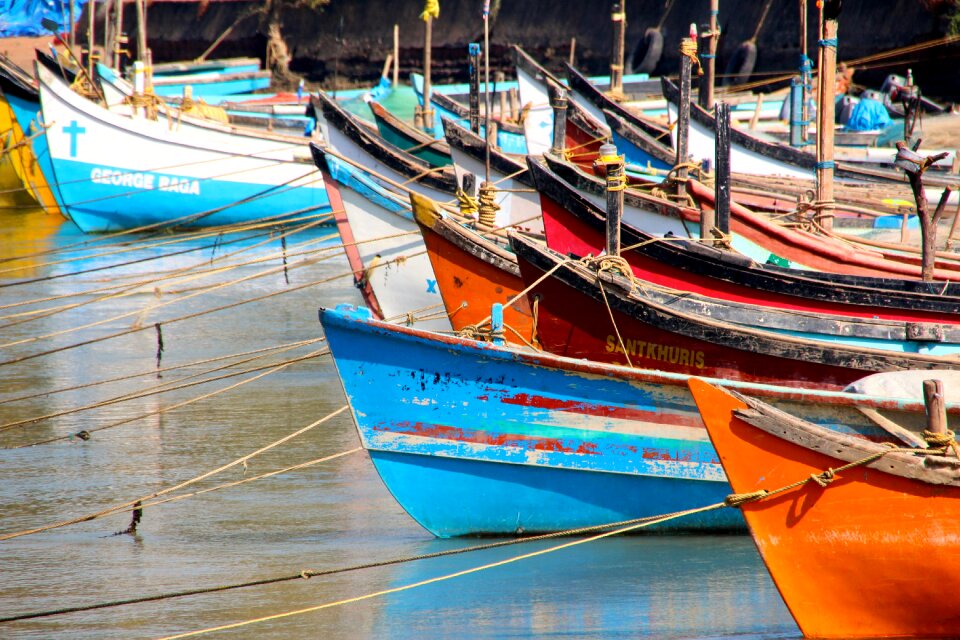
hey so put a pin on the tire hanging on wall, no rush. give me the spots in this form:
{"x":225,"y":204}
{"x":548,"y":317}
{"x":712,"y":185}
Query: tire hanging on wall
{"x":648,"y":51}
{"x":741,"y":64}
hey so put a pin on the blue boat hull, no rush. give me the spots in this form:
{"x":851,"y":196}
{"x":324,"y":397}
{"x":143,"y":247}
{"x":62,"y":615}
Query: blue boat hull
{"x":28,"y":115}
{"x":454,"y":497}
{"x":476,"y":439}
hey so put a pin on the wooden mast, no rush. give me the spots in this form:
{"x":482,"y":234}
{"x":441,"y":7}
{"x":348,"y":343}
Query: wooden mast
{"x":619,"y":18}
{"x":826,"y":107}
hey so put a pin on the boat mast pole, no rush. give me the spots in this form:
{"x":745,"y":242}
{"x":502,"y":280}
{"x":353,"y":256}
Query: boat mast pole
{"x":826,"y":107}
{"x":804,"y":74}
{"x":423,"y":116}
{"x":711,"y":37}
{"x":486,"y":85}
{"x":91,"y":36}
{"x":619,"y":18}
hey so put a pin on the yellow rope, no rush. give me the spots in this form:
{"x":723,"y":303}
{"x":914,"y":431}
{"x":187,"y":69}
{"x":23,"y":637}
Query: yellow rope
{"x":688,"y":48}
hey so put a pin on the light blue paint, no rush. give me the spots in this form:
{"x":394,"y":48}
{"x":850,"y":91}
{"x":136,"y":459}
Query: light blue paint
{"x":637,"y":156}
{"x":97,"y":204}
{"x":206,"y":89}
{"x":73,"y":131}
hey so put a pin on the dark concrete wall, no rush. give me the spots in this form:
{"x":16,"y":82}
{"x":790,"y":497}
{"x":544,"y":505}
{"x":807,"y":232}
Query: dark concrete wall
{"x":545,"y":27}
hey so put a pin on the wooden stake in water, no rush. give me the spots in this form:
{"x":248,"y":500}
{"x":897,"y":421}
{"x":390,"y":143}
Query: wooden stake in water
{"x":619,"y":18}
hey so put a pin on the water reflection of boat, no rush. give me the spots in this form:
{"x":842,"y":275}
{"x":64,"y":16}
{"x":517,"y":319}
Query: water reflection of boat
{"x":713,"y":587}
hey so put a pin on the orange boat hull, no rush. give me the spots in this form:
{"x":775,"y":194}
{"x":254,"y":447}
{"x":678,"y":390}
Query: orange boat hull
{"x":469,"y":285}
{"x":871,"y":555}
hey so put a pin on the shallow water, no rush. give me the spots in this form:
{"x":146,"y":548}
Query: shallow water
{"x":333,"y":514}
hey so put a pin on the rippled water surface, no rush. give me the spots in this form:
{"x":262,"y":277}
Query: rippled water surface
{"x":329,"y":515}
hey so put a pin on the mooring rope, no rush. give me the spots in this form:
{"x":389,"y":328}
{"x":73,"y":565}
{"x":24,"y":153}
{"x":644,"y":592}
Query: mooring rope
{"x":85,"y":434}
{"x":155,"y":372}
{"x":314,"y":573}
{"x":156,"y":494}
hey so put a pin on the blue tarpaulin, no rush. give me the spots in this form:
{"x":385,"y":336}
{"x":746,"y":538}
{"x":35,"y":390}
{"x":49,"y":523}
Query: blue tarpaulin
{"x":868,"y":115}
{"x":22,"y":17}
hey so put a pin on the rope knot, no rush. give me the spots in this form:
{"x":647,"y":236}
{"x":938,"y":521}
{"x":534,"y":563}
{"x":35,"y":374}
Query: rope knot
{"x":688,"y":48}
{"x":942,"y":441}
{"x":468,"y":204}
{"x":823,"y":479}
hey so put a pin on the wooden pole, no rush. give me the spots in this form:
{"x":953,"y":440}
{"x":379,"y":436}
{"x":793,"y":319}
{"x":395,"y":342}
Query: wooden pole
{"x":613,"y":164}
{"x":424,"y":114}
{"x":573,"y":51}
{"x":710,"y":38}
{"x":498,"y":79}
{"x":825,"y":119}
{"x":558,"y":101}
{"x":141,"y":31}
{"x":514,"y":104}
{"x":107,"y":50}
{"x":73,"y":21}
{"x":933,"y":400}
{"x":473,"y":68}
{"x":805,"y":72}
{"x":91,"y":36}
{"x":491,"y":135}
{"x":756,"y":112}
{"x":722,"y":171}
{"x":619,"y":18}
{"x":119,"y":41}
{"x":683,"y":118}
{"x":396,"y":56}
{"x":914,"y":165}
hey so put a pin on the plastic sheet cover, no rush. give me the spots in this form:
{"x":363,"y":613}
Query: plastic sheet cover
{"x":22,"y":17}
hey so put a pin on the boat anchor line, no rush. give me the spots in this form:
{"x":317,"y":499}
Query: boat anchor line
{"x":159,"y":305}
{"x":127,"y":248}
{"x":171,"y":385}
{"x":823,"y":480}
{"x":143,"y":374}
{"x":314,"y":573}
{"x":181,"y":318}
{"x":86,"y":433}
{"x":127,"y":506}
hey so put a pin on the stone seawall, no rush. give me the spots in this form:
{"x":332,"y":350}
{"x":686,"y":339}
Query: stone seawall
{"x":182,"y":30}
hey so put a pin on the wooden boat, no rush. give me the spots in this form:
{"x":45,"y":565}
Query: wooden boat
{"x":408,"y":138}
{"x":473,"y":272}
{"x":114,"y":172}
{"x":472,"y":438}
{"x":383,"y":246}
{"x":346,"y":135}
{"x":750,"y":154}
{"x":516,"y":195}
{"x":872,"y":554}
{"x":606,"y":317}
{"x":510,"y":136}
{"x":576,"y":226}
{"x":595,"y":101}
{"x":33,"y":162}
{"x":210,"y":78}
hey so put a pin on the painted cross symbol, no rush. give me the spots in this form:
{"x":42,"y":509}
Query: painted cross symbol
{"x":73,"y":131}
{"x":431,"y":286}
